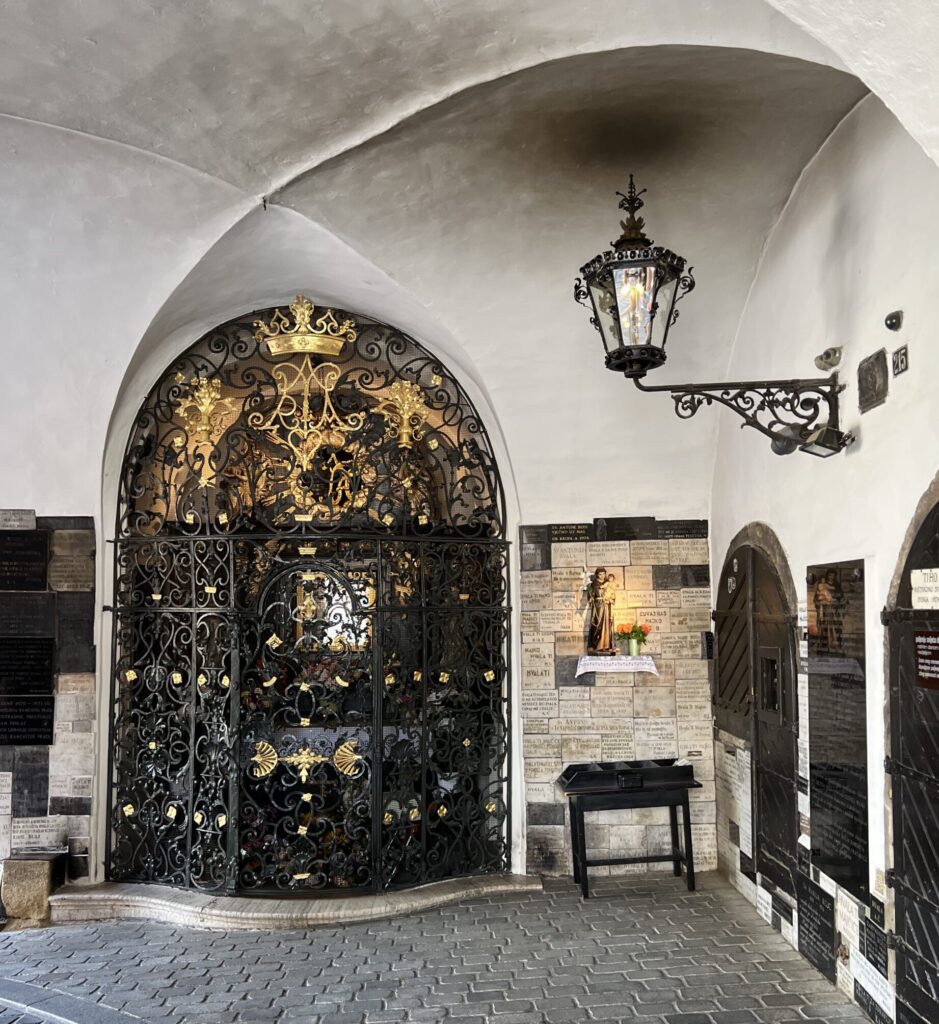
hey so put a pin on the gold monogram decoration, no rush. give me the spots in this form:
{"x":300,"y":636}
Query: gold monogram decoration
{"x":405,"y":412}
{"x":326,"y":337}
{"x":203,"y":409}
{"x":265,"y":759}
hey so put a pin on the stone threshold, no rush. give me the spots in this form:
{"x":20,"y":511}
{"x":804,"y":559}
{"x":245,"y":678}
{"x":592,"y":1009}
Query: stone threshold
{"x":121,"y":901}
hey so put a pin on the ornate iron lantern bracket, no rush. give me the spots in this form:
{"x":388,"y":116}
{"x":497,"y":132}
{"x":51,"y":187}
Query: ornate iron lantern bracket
{"x":788,"y":412}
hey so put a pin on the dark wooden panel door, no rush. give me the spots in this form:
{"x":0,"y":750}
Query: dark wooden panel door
{"x":914,"y":765}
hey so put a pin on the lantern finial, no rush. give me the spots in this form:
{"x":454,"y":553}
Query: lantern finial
{"x":633,"y":236}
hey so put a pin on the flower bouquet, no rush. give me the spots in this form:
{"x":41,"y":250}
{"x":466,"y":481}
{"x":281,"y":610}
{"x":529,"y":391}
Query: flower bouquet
{"x":634,"y":635}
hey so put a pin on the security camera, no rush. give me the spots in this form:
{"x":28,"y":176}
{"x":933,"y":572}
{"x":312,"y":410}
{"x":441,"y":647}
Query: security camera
{"x":829,"y":359}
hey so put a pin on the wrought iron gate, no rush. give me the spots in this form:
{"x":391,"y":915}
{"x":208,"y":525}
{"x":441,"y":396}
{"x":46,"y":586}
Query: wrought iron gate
{"x":914,"y":767}
{"x":311,"y":619}
{"x":756,"y":673}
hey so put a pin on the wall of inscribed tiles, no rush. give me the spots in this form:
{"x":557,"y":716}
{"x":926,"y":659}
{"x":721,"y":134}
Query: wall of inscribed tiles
{"x":662,"y":578}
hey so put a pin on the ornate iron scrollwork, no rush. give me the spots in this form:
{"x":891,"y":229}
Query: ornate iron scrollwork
{"x":309,"y":508}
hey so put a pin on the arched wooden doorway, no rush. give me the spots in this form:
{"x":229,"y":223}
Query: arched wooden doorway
{"x":913,"y":644}
{"x":755,"y":700}
{"x":310,"y":665}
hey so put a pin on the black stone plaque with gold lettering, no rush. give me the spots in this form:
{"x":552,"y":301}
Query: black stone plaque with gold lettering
{"x":26,"y":721}
{"x":816,"y":926}
{"x":24,"y":555}
{"x":27,"y":665}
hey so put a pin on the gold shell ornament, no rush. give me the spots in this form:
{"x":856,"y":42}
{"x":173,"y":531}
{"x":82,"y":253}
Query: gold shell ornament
{"x":345,"y":757}
{"x":264,"y":759}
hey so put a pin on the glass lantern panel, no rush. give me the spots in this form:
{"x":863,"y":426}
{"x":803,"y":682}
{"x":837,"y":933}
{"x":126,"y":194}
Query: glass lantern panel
{"x":604,"y":305}
{"x":665,"y":303}
{"x":635,"y":292}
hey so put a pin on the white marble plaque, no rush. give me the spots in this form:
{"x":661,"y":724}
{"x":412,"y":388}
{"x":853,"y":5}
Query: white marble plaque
{"x":566,"y":600}
{"x":925,"y":584}
{"x":81,"y":785}
{"x":75,"y":682}
{"x":608,"y":553}
{"x":542,"y":746}
{"x":638,"y":577}
{"x":59,"y":785}
{"x":575,"y":694}
{"x":6,"y":782}
{"x":573,"y":708}
{"x":568,"y":579}
{"x":541,"y":792}
{"x":72,"y":753}
{"x":844,"y":979}
{"x":570,"y":645}
{"x":874,"y":983}
{"x":696,"y":597}
{"x":693,"y":699}
{"x":688,"y":552}
{"x":691,"y":668}
{"x":636,"y":599}
{"x":618,"y":746}
{"x":764,"y":904}
{"x":611,"y":702}
{"x":568,"y":553}
{"x":666,"y":667}
{"x":704,"y":838}
{"x":48,"y":833}
{"x":668,"y":598}
{"x":536,"y":590}
{"x":529,"y":622}
{"x":582,"y":748}
{"x":691,"y":619}
{"x":6,"y":804}
{"x":6,"y":836}
{"x":745,"y":802}
{"x":541,"y":769}
{"x":586,"y":726}
{"x":695,"y":739}
{"x":538,"y":666}
{"x":654,"y":701}
{"x":847,"y":919}
{"x":649,"y":552}
{"x":538,"y":637}
{"x":655,"y":737}
{"x":17,"y":519}
{"x":660,"y":619}
{"x":555,"y":621}
{"x":681,"y":645}
{"x":539,"y":703}
{"x":74,"y":707}
{"x":533,"y":726}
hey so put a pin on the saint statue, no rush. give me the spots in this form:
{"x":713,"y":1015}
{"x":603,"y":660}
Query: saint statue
{"x":601,"y":594}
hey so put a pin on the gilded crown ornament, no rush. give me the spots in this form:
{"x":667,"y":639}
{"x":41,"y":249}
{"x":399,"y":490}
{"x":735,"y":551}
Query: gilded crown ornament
{"x":326,"y":336}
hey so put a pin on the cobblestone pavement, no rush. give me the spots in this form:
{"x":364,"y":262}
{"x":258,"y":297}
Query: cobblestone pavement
{"x":641,"y":949}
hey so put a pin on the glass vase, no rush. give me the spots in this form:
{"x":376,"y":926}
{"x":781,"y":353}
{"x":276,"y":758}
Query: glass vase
{"x":633,"y":647}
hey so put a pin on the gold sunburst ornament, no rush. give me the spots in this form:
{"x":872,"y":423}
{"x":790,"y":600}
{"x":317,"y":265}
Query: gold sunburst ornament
{"x":345,"y":757}
{"x":264,"y":759}
{"x":300,"y":334}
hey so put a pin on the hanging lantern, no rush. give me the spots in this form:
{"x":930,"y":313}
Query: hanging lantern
{"x":633,"y":289}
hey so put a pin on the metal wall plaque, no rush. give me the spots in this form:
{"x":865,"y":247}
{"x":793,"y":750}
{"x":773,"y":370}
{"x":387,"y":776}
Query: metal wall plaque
{"x":872,"y":381}
{"x":27,"y":665}
{"x":869,"y":1005}
{"x":874,"y":945}
{"x":566,"y":533}
{"x":26,"y":721}
{"x":632,"y":528}
{"x":27,"y":614}
{"x":668,"y":529}
{"x":17,"y":519}
{"x":816,"y":926}
{"x":926,"y":653}
{"x":24,"y":555}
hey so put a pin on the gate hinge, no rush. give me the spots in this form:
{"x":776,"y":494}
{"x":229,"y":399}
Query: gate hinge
{"x":890,"y":876}
{"x":886,"y":616}
{"x":891,"y":940}
{"x":889,"y":765}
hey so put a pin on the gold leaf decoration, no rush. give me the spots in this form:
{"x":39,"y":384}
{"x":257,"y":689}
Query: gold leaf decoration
{"x":128,"y":810}
{"x":345,"y":757}
{"x":264,"y":759}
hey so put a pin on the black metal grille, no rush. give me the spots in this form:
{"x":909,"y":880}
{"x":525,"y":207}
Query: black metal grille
{"x":914,"y":716}
{"x":311,"y":639}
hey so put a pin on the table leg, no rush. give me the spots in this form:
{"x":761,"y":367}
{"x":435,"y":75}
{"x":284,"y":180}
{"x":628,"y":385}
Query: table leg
{"x":575,"y":845}
{"x":689,"y":849}
{"x":582,"y":853}
{"x":673,"y":821}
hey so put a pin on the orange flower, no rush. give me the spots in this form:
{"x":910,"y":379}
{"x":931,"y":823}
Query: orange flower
{"x":623,"y":629}
{"x":645,"y":628}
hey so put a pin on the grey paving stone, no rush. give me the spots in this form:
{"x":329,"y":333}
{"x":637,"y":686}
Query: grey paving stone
{"x":642,"y":950}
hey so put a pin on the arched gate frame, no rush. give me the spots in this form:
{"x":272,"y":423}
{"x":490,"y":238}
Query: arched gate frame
{"x":311,"y":618}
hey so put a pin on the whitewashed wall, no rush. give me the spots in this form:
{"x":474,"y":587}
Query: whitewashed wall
{"x":855,"y":242}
